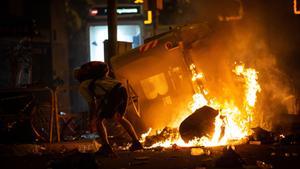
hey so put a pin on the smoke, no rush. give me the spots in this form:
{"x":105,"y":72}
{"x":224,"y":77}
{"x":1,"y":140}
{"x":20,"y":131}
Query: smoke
{"x":247,"y":41}
{"x":277,"y":95}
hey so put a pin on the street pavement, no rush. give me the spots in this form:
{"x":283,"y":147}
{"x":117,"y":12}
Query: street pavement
{"x":243,"y":156}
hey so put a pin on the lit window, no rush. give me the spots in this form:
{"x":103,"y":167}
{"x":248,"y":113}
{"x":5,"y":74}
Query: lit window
{"x":93,"y":12}
{"x":139,"y":1}
{"x":154,"y":86}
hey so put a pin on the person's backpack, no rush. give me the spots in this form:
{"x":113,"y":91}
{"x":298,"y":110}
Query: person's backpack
{"x":107,"y":94}
{"x":91,"y":70}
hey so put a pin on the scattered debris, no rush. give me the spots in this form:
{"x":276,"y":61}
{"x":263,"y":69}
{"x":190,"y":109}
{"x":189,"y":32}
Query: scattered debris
{"x":142,"y":158}
{"x":63,"y":149}
{"x":290,"y":139}
{"x":255,"y":142}
{"x":89,"y":148}
{"x":175,"y":147}
{"x":208,"y":152}
{"x":89,"y":136}
{"x":197,"y":151}
{"x":263,"y":165}
{"x":158,"y":148}
{"x":295,"y":154}
{"x":166,"y":134}
{"x":229,"y":159}
{"x":261,"y":136}
{"x":137,"y":163}
{"x":38,"y":149}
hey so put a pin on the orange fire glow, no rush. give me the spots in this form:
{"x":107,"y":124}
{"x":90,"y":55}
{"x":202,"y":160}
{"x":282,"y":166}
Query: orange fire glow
{"x":234,"y":18}
{"x":296,"y":11}
{"x":233,"y":122}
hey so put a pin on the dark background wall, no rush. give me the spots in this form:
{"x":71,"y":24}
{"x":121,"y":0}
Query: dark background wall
{"x":275,"y":19}
{"x":18,"y":18}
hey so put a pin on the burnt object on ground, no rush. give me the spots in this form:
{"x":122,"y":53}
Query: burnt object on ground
{"x":290,"y":139}
{"x":198,"y":124}
{"x":287,"y":124}
{"x":287,"y":128}
{"x":166,"y":134}
{"x":262,"y":135}
{"x":229,"y":159}
{"x":263,"y":165}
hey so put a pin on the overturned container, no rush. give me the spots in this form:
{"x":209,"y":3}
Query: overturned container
{"x":157,"y":73}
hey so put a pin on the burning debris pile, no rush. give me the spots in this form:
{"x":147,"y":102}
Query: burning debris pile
{"x":196,"y":125}
{"x":166,"y":134}
{"x":213,"y":123}
{"x":199,"y":74}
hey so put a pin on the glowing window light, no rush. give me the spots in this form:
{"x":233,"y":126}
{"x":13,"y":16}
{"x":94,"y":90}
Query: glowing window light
{"x":149,"y":18}
{"x":124,"y":11}
{"x":139,"y":1}
{"x":93,"y":12}
{"x":296,"y":11}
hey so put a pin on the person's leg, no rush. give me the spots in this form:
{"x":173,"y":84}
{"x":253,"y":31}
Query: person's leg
{"x":119,"y":108}
{"x":93,"y":122}
{"x":105,"y":149}
{"x":136,"y":145}
{"x":102,"y":131}
{"x":127,"y":126}
{"x":121,"y":104}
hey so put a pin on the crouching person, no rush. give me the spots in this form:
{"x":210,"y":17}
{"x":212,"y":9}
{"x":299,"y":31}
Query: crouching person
{"x":107,"y":99}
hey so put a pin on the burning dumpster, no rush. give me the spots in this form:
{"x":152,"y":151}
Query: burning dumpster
{"x":159,"y":73}
{"x":172,"y":90}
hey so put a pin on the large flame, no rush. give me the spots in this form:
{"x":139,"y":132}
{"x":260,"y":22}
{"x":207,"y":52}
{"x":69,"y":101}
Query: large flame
{"x":233,"y":122}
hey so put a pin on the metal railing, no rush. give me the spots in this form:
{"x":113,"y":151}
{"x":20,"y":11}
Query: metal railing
{"x":53,"y":110}
{"x":54,"y":123}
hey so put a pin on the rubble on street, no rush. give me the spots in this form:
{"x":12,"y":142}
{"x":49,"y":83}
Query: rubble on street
{"x":240,"y":156}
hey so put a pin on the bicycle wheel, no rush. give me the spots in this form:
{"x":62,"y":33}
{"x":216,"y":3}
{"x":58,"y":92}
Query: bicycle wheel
{"x":40,"y":121}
